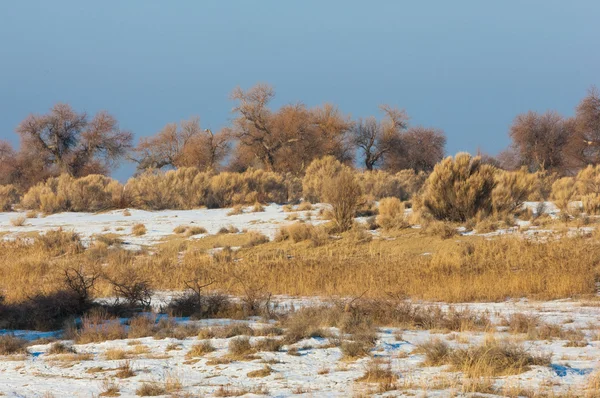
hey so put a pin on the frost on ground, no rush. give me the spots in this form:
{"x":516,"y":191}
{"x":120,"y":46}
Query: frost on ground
{"x":313,"y":367}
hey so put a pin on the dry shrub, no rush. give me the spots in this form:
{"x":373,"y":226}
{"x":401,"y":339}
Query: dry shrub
{"x":304,"y":206}
{"x":264,"y":372}
{"x":460,"y":188}
{"x":491,"y":358}
{"x":588,"y":180}
{"x":9,"y":196}
{"x":512,"y":189}
{"x":352,"y":350}
{"x":199,"y":350}
{"x":125,"y":370}
{"x":317,"y":176}
{"x":522,"y":323}
{"x":258,"y":207}
{"x":391,"y":214}
{"x":65,"y":193}
{"x":184,"y":188}
{"x":299,"y":232}
{"x":495,"y":358}
{"x":60,"y":348}
{"x":240,"y":348}
{"x":150,"y":389}
{"x":344,"y":195}
{"x":563,"y":193}
{"x":268,"y":344}
{"x":591,"y":203}
{"x":380,"y":184}
{"x":440,"y":229}
{"x":377,"y":373}
{"x":18,"y":221}
{"x":97,"y":327}
{"x":110,"y":389}
{"x":138,"y":230}
{"x":10,"y":345}
{"x":237,"y":209}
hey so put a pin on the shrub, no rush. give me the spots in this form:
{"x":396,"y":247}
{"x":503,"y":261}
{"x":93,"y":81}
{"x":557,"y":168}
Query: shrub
{"x":240,"y":347}
{"x":391,"y":214}
{"x":299,"y":232}
{"x":65,"y":193}
{"x":588,"y":180}
{"x":150,"y":389}
{"x":591,"y":203}
{"x":10,"y":345}
{"x":344,"y":195}
{"x":512,"y":189}
{"x":380,"y":184}
{"x":354,"y":349}
{"x":199,"y":350}
{"x":317,"y":176}
{"x":138,"y":230}
{"x":459,"y":188}
{"x":9,"y":196}
{"x":18,"y":221}
{"x":563,"y":192}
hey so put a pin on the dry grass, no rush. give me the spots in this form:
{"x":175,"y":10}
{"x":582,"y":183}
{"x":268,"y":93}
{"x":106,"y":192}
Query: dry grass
{"x":18,"y":221}
{"x":264,"y":372}
{"x":151,"y":389}
{"x":125,"y":370}
{"x":199,"y":350}
{"x":491,"y":358}
{"x":240,"y":348}
{"x":11,"y":345}
{"x":138,"y":230}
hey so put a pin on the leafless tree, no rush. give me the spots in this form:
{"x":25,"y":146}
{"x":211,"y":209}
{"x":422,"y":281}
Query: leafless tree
{"x":72,"y":143}
{"x":186,"y":145}
{"x":419,"y":148}
{"x":540,"y":140}
{"x":584,"y":145}
{"x":376,"y":139}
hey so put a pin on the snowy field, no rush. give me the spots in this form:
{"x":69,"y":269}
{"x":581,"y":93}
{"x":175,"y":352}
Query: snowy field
{"x":316,"y":370}
{"x":311,"y":367}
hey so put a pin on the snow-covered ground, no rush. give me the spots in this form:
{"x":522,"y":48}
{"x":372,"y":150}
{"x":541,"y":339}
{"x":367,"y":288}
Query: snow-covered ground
{"x":159,"y":224}
{"x":317,"y":370}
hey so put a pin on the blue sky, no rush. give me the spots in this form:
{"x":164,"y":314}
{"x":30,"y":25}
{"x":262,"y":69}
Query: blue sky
{"x":468,"y":67}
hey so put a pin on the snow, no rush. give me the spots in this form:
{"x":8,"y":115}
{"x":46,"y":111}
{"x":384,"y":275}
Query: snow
{"x":159,"y":224}
{"x":318,"y":370}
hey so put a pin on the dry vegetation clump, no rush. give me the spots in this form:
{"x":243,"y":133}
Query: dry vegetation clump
{"x":65,"y":193}
{"x":304,"y":206}
{"x":459,"y":188}
{"x":391,"y":214}
{"x":268,"y":344}
{"x":151,"y":389}
{"x":60,"y":348}
{"x":563,"y":193}
{"x":380,"y":184}
{"x":237,"y":209}
{"x":199,"y":350}
{"x":491,"y":358}
{"x":318,"y":174}
{"x":240,"y":348}
{"x":18,"y":221}
{"x":110,"y":388}
{"x":345,"y":196}
{"x":97,"y":327}
{"x":264,"y":372}
{"x":378,"y":372}
{"x":512,"y":190}
{"x":138,"y":230}
{"x":11,"y":345}
{"x":9,"y":196}
{"x":300,"y":232}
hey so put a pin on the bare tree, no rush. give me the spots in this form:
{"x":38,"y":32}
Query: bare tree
{"x":419,"y":148}
{"x":73,"y":144}
{"x":584,"y":144}
{"x":375,"y":139}
{"x":540,"y":140}
{"x":186,"y":145}
{"x":288,"y":139}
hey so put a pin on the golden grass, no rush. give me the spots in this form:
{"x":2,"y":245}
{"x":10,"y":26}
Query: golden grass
{"x":404,"y":263}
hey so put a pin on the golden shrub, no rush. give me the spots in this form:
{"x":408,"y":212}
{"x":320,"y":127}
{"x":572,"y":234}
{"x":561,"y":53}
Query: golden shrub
{"x":345,"y":196}
{"x":317,"y":174}
{"x":459,"y":188}
{"x":512,"y":189}
{"x":588,"y":180}
{"x":9,"y":196}
{"x":591,"y":203}
{"x":563,"y":193}
{"x":391,"y":214}
{"x":65,"y":193}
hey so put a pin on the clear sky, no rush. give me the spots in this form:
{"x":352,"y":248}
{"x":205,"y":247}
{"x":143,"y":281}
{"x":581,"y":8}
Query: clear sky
{"x":468,"y":67}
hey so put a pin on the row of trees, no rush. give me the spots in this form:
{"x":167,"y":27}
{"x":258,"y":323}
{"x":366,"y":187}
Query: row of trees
{"x":549,"y":141}
{"x":284,"y":140}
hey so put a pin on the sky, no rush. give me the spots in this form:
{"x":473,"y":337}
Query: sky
{"x":467,"y":67}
